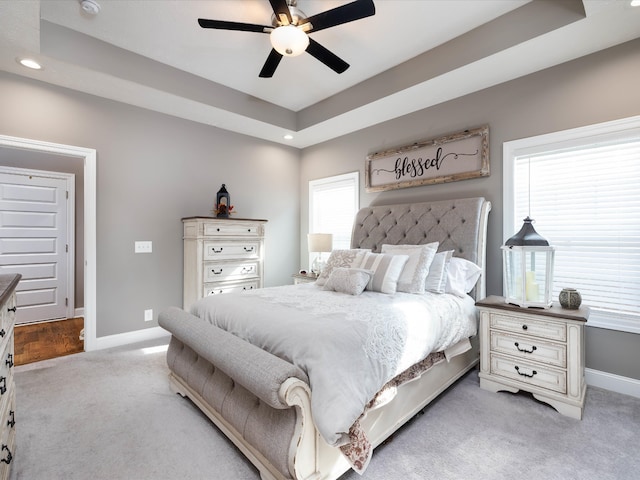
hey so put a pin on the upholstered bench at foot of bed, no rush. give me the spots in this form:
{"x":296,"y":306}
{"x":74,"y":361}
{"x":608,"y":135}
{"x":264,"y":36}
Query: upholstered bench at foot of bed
{"x":254,"y":416}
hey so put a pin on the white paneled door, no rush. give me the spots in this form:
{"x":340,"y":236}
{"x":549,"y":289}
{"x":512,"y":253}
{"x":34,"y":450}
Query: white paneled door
{"x":36,"y":241}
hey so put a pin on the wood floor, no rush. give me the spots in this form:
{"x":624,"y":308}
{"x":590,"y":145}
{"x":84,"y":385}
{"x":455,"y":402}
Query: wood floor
{"x":44,"y":340}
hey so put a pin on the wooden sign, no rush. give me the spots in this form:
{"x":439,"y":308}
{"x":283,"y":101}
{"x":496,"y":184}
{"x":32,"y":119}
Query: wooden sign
{"x":454,"y":157}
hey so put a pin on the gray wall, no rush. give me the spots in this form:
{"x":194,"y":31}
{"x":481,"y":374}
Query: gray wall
{"x":597,"y":88}
{"x":152,"y":170}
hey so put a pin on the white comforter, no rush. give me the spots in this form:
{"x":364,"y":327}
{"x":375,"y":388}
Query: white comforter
{"x":349,"y":346}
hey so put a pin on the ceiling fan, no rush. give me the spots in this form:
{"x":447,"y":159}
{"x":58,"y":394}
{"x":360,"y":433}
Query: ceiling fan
{"x":290,"y":27}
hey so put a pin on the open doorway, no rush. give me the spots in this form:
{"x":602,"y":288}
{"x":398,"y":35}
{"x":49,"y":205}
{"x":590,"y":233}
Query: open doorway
{"x":45,"y":155}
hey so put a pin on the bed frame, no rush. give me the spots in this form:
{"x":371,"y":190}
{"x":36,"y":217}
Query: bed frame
{"x":263,"y":403}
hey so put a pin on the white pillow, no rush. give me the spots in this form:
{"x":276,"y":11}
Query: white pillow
{"x":462,"y":276}
{"x":414,"y":274}
{"x":436,"y":278}
{"x":348,"y":280}
{"x":386,"y":271}
{"x":341,"y":258}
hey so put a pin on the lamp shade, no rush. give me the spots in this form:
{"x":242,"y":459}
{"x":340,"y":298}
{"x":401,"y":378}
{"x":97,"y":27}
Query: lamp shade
{"x":289,"y":40}
{"x":320,"y":242}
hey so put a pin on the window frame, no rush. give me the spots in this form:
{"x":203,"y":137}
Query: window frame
{"x":350,"y":177}
{"x":552,"y":141}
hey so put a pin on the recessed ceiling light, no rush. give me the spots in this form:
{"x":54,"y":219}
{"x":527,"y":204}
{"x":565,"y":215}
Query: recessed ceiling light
{"x":29,"y":63}
{"x":635,"y":3}
{"x":288,"y":137}
{"x":90,"y":6}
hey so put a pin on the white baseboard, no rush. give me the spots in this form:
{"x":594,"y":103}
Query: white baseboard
{"x":615,"y":383}
{"x":130,"y":337}
{"x":78,"y":313}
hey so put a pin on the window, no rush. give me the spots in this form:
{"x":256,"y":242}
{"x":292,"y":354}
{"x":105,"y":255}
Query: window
{"x":333,"y":204}
{"x":581,"y":188}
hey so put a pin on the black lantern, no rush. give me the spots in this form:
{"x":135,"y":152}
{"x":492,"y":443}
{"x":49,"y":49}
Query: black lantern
{"x":528,"y":268}
{"x":223,"y":203}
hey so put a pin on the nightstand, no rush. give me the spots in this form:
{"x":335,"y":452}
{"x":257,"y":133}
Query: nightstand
{"x":540,"y":351}
{"x":304,"y":278}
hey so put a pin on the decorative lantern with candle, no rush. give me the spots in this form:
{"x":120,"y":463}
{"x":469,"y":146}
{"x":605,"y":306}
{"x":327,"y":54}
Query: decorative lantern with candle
{"x":223,"y":202}
{"x":528,"y":268}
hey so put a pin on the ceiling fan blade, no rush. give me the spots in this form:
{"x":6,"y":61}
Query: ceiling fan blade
{"x":339,"y":15}
{"x":224,"y":25}
{"x":281,"y":9}
{"x":269,"y":68}
{"x":331,"y":60}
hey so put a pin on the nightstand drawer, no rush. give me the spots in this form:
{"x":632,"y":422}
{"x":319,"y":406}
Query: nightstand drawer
{"x":228,"y":288}
{"x":529,"y":373}
{"x":226,"y":250}
{"x":529,"y":326}
{"x":529,"y":348}
{"x":230,"y":271}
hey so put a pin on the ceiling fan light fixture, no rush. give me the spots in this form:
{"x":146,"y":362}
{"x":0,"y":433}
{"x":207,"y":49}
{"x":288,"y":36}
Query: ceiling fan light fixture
{"x":289,"y":40}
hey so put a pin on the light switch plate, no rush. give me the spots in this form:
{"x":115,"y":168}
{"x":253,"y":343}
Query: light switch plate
{"x":148,"y":315}
{"x":143,"y":247}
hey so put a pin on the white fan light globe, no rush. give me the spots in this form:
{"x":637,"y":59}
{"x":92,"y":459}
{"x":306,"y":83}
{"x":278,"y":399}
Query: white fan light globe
{"x":289,"y":40}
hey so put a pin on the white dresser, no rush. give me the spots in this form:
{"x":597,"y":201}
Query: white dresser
{"x":8,"y":285}
{"x":540,"y":351}
{"x":221,"y":255}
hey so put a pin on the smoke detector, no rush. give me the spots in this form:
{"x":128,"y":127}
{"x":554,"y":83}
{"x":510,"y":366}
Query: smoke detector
{"x":90,"y":6}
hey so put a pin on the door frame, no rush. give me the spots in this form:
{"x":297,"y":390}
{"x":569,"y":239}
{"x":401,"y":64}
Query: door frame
{"x":69,"y":179}
{"x":89,"y":157}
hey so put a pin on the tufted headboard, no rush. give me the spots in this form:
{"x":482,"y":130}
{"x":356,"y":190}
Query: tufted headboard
{"x":459,"y":225}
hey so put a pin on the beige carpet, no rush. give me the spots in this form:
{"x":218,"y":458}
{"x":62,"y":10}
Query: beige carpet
{"x":110,"y":415}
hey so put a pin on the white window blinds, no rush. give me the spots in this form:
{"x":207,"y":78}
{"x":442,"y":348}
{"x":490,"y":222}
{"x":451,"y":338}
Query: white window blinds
{"x":585,"y":198}
{"x":333,"y":204}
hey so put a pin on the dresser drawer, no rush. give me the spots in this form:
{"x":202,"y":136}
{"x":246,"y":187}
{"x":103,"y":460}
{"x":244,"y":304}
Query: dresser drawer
{"x":232,"y":229}
{"x":529,"y":326}
{"x":7,"y":316}
{"x":529,"y":348}
{"x":529,"y":373}
{"x":217,"y":289}
{"x":227,"y":250}
{"x":8,"y":436}
{"x":220,"y":272}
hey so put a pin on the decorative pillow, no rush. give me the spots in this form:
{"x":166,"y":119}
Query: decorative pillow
{"x":386,"y":271}
{"x":341,"y":258}
{"x":462,"y":276}
{"x":414,"y":274}
{"x":348,"y":280}
{"x":436,"y":278}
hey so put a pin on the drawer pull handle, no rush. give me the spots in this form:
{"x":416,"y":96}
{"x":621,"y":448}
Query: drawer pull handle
{"x":213,"y":292}
{"x":528,"y":375}
{"x":213,"y":249}
{"x":533,"y":348}
{"x":524,"y":327}
{"x":9,"y":456}
{"x":12,"y":420}
{"x":3,"y":385}
{"x":248,"y":249}
{"x":9,"y":360}
{"x":213,"y":270}
{"x":12,"y":309}
{"x":2,"y":333}
{"x":248,"y":288}
{"x":247,"y":269}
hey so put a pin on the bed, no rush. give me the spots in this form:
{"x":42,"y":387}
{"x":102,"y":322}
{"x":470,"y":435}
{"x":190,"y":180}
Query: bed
{"x":263,"y":401}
